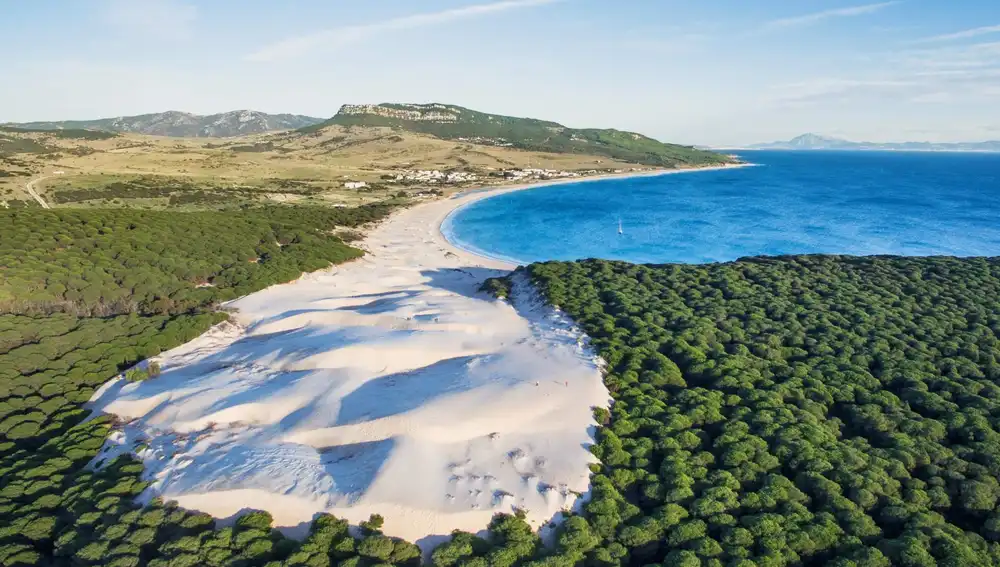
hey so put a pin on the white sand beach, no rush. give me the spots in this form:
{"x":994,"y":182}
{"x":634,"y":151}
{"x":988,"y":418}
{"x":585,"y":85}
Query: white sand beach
{"x":387,"y":385}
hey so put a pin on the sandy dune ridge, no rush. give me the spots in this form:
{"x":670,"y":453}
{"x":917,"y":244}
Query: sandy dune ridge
{"x":388,"y":385}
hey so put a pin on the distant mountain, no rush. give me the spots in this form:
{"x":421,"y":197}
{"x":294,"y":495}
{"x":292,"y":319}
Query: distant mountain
{"x":816,"y":142}
{"x":450,"y":122}
{"x":185,"y":125}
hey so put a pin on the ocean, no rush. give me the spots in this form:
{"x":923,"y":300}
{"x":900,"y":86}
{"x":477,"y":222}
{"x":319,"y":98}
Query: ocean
{"x":828,"y":202}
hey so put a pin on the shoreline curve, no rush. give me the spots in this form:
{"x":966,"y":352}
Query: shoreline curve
{"x":464,"y":199}
{"x":389,"y":385}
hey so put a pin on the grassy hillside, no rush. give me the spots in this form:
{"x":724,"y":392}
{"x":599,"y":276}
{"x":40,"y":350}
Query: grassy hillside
{"x":451,"y":122}
{"x":156,"y":172}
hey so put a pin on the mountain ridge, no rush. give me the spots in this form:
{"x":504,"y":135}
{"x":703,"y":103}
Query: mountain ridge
{"x":453,"y":122}
{"x":818,"y":142}
{"x":179,"y":124}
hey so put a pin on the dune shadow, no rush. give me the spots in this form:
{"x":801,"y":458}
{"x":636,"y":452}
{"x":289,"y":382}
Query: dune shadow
{"x":251,"y":370}
{"x":345,"y":472}
{"x":398,"y":393}
{"x":464,"y":281}
{"x":354,"y":467}
{"x":274,"y":384}
{"x":387,"y":304}
{"x":286,"y":346}
{"x":378,"y":303}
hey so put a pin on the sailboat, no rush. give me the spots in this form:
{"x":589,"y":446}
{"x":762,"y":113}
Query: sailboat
{"x":620,"y":231}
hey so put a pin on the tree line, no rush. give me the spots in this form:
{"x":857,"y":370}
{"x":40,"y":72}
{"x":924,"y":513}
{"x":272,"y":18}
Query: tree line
{"x":108,"y":262}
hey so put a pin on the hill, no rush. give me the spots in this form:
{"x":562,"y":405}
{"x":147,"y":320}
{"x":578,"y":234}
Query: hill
{"x":102,"y":169}
{"x":450,"y":122}
{"x":817,"y":142}
{"x":185,"y":125}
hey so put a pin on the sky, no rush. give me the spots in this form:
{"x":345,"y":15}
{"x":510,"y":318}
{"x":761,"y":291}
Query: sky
{"x":726,"y":72}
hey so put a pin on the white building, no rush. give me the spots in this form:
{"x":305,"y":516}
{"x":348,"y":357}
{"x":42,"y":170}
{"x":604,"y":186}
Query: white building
{"x":355,"y":184}
{"x":436,"y":176}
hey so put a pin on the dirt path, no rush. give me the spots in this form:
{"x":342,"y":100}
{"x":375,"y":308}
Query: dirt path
{"x":30,"y":187}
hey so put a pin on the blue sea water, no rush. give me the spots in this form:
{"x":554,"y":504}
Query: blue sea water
{"x":857,"y":203}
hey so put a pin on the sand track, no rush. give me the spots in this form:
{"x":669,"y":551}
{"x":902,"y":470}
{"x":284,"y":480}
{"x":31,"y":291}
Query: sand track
{"x":389,"y":385}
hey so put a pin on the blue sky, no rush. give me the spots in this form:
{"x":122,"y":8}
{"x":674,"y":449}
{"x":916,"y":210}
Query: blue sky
{"x":722,"y":72}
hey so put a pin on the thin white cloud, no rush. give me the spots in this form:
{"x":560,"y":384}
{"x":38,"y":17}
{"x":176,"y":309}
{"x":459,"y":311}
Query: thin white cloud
{"x":952,"y":58}
{"x":831,"y":88}
{"x":339,"y":37}
{"x":938,"y":97}
{"x":954,"y":74}
{"x":160,"y":19}
{"x":815,"y":17}
{"x":663,"y":46}
{"x":964,"y":34}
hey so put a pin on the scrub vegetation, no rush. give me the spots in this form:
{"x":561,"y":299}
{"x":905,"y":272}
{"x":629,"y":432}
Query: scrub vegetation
{"x":111,"y":261}
{"x":810,"y":410}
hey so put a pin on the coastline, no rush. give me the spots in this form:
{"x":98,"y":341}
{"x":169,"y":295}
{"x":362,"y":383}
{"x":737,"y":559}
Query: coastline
{"x":463,"y":199}
{"x":388,"y":385}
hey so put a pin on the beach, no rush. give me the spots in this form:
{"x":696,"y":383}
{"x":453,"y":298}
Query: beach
{"x":387,"y":385}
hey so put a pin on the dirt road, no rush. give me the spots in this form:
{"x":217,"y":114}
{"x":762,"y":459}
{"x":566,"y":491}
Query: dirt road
{"x":30,"y":187}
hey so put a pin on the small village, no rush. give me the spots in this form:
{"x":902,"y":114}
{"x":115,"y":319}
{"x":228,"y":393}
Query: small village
{"x":519,"y":174}
{"x":421,"y":177}
{"x":433,"y":176}
{"x":498,"y":142}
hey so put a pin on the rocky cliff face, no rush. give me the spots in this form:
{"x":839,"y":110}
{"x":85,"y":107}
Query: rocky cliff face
{"x":413,"y":112}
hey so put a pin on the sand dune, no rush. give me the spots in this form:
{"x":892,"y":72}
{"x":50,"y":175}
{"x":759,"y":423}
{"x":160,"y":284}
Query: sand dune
{"x":389,"y":385}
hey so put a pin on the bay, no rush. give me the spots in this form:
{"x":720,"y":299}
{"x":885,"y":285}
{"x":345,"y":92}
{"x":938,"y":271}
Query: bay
{"x":857,"y":203}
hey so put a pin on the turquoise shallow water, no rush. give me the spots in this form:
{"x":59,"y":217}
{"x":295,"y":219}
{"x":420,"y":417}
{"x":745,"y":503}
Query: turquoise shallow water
{"x":793,"y":203}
